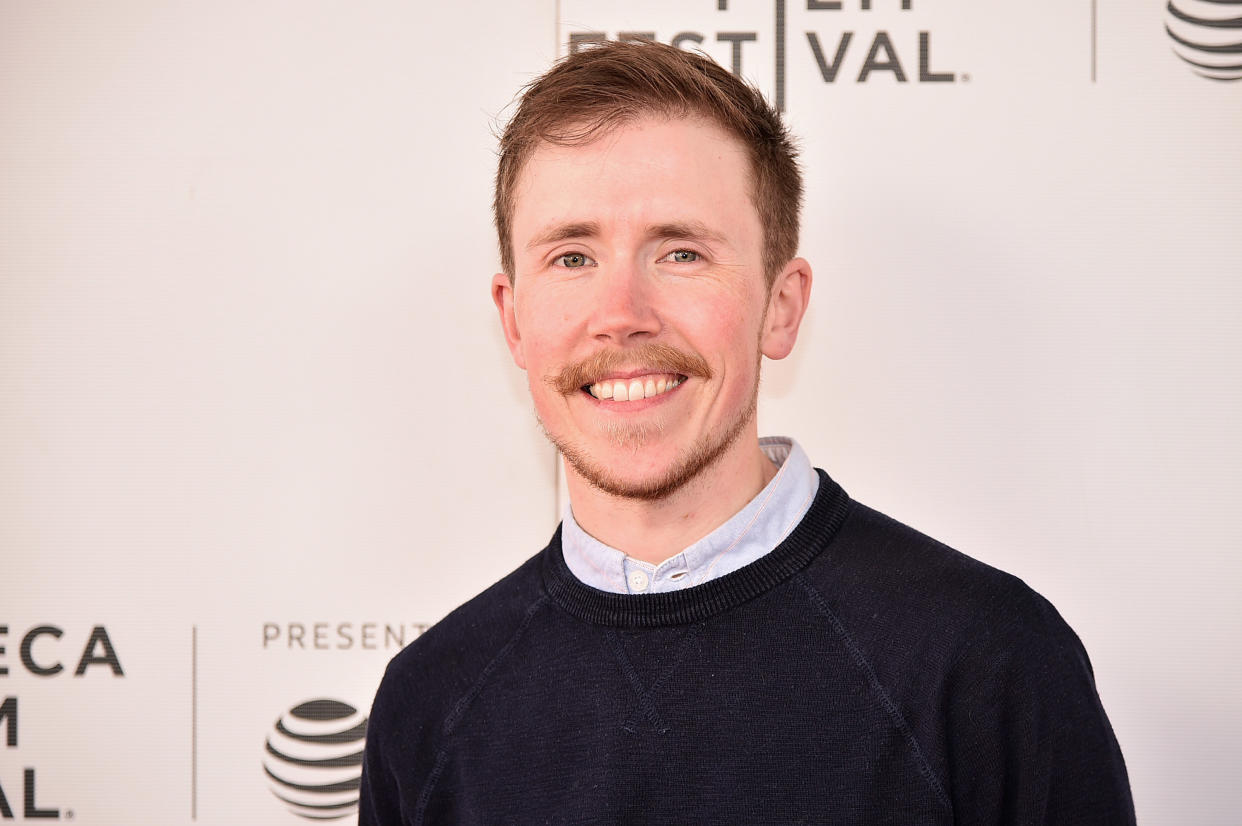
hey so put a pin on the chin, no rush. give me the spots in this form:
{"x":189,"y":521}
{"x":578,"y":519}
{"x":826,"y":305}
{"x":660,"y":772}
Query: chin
{"x":654,"y":483}
{"x":648,"y":487}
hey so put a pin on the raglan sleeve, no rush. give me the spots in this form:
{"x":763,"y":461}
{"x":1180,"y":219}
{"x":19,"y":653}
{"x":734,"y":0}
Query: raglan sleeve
{"x":389,"y":756}
{"x":377,"y":800}
{"x":1028,"y":739}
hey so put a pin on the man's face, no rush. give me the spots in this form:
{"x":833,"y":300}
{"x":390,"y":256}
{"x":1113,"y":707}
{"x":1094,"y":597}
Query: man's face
{"x":638,"y":303}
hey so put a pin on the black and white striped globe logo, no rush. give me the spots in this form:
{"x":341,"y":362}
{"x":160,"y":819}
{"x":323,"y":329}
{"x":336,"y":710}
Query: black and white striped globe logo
{"x":1207,"y":35}
{"x":313,"y":759}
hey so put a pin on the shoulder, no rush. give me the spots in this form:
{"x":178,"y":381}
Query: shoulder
{"x":991,"y":683}
{"x":428,"y":678}
{"x":430,"y":683}
{"x":882,"y":561}
{"x":897,"y":591}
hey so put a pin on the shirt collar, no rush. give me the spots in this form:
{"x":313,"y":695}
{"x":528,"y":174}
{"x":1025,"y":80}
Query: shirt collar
{"x":746,"y":536}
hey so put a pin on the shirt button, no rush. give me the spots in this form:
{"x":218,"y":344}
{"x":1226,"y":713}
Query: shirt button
{"x":638,"y":581}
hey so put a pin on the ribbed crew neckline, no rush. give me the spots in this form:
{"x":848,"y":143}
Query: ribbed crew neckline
{"x":695,"y":604}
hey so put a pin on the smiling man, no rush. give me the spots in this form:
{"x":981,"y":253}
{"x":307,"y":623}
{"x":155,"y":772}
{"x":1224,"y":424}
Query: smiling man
{"x":716,"y":633}
{"x":639,"y":305}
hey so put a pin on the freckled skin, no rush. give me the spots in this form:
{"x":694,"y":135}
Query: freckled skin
{"x":666,"y":247}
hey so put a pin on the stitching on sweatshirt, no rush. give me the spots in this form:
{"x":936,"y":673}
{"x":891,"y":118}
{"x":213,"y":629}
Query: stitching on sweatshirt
{"x":861,"y":661}
{"x":646,"y":707}
{"x":459,"y":710}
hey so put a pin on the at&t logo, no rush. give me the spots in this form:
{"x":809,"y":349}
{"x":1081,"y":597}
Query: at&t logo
{"x":1207,"y":36}
{"x":313,"y":759}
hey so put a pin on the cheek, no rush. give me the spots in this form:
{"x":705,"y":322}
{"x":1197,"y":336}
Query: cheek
{"x":723,"y":329}
{"x":552,"y":306}
{"x":543,"y":325}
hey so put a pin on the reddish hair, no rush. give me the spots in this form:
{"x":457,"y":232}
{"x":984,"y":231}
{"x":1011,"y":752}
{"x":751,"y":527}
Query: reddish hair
{"x":587,"y":94}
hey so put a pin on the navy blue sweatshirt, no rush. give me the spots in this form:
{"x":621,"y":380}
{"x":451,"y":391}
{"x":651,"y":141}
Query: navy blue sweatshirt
{"x":860,"y":673}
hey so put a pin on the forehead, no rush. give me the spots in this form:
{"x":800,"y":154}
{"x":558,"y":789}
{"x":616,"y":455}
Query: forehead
{"x":654,"y":169}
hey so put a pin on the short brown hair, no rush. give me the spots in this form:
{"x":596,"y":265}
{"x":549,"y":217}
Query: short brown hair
{"x":603,"y":87}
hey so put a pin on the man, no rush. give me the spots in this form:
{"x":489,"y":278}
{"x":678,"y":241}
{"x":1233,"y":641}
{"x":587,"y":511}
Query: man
{"x":716,"y":633}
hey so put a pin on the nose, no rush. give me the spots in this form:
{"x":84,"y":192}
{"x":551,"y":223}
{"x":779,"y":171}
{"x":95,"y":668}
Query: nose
{"x":624,"y":311}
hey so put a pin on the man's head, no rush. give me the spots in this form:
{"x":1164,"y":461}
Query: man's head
{"x":640,"y":288}
{"x":601,"y":88}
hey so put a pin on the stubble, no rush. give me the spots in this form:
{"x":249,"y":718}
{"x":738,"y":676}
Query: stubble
{"x":692,"y":460}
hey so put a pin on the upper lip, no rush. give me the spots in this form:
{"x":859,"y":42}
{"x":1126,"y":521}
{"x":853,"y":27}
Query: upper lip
{"x":620,"y":375}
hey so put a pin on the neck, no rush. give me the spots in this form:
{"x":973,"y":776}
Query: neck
{"x":654,"y":530}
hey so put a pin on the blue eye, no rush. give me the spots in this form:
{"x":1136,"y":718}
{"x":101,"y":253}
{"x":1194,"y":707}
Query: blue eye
{"x":573,"y":260}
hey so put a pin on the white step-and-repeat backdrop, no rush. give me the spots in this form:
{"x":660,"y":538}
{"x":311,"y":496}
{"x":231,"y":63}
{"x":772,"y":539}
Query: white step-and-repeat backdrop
{"x":258,"y":427}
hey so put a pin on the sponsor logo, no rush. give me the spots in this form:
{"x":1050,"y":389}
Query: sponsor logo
{"x":1207,"y":36}
{"x":313,"y":759}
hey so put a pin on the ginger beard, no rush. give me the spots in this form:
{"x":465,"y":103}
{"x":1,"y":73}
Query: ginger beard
{"x":692,"y":460}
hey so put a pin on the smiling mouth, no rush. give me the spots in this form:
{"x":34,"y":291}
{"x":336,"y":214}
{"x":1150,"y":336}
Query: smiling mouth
{"x":632,"y":390}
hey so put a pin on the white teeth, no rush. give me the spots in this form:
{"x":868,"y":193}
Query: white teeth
{"x":632,"y":390}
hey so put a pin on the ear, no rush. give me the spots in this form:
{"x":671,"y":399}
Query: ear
{"x":787,"y":303}
{"x":502,"y":295}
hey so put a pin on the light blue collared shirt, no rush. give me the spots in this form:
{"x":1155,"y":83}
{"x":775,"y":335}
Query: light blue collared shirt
{"x":747,"y":535}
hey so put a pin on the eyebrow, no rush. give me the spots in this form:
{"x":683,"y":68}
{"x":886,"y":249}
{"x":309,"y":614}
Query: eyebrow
{"x":696,"y":230}
{"x":587,"y":229}
{"x":563,"y":232}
